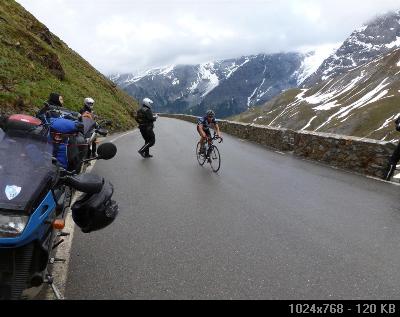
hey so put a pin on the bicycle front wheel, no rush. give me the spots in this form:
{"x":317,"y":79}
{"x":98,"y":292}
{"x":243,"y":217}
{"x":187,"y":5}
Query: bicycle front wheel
{"x":215,"y":159}
{"x":201,"y":158}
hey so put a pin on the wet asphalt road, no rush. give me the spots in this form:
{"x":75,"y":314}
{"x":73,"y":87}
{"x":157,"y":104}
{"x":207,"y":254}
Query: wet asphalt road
{"x":268,"y":226}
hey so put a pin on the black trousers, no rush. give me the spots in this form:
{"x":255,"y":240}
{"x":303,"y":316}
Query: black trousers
{"x":395,"y":158}
{"x":393,"y":161}
{"x":149,"y":138}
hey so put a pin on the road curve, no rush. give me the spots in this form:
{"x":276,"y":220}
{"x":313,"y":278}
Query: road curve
{"x":268,"y":226}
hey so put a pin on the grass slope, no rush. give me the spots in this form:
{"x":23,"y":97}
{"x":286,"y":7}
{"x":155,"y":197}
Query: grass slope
{"x":34,"y":62}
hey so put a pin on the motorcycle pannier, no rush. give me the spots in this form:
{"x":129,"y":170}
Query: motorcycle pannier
{"x":95,"y":212}
{"x":67,"y":141}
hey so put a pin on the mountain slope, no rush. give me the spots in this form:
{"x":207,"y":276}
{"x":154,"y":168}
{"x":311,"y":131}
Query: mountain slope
{"x":361,"y":102}
{"x":34,"y":62}
{"x":364,"y":44}
{"x":258,"y":80}
{"x":228,"y":86}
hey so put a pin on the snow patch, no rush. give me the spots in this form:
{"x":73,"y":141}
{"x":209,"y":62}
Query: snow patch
{"x":387,"y":122}
{"x":395,"y":43}
{"x":309,"y":123}
{"x":327,"y":106}
{"x":235,"y":67}
{"x":207,"y":74}
{"x":369,"y":98}
{"x":314,"y":60}
{"x":361,"y":29}
{"x":166,"y":70}
{"x":256,"y":92}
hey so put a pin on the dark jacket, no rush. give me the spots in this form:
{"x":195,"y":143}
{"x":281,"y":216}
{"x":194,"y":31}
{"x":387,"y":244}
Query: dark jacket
{"x":397,"y":124}
{"x":52,"y":103}
{"x":148,"y":116}
{"x":85,"y":109}
{"x":54,"y":100}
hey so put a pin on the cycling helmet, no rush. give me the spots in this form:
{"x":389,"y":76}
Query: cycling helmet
{"x":147,"y":102}
{"x":89,"y":102}
{"x":210,"y":113}
{"x":95,"y":212}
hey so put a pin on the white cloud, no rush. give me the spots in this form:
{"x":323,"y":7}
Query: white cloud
{"x":127,"y":35}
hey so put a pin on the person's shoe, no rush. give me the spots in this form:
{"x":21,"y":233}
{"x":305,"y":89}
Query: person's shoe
{"x":142,"y":154}
{"x":148,"y":155}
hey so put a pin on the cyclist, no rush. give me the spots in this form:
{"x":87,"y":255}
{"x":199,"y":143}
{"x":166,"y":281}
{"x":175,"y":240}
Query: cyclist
{"x":203,"y":128}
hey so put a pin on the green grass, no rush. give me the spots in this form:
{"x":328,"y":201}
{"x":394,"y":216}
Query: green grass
{"x":34,"y":63}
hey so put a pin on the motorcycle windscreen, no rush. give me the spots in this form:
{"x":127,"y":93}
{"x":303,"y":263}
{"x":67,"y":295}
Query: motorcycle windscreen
{"x":26,"y":171}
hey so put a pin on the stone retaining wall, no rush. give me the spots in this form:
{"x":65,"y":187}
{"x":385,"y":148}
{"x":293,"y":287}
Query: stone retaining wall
{"x":365,"y":156}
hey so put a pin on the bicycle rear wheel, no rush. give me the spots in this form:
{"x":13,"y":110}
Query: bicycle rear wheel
{"x":201,"y":158}
{"x":215,"y":161}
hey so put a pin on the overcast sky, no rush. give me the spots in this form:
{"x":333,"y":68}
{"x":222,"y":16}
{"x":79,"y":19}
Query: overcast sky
{"x":131,"y":35}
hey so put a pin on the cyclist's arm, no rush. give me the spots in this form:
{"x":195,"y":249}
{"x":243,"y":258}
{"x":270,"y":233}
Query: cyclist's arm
{"x":217,"y":130}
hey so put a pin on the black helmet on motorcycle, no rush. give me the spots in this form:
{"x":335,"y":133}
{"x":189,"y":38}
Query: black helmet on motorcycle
{"x":95,"y":212}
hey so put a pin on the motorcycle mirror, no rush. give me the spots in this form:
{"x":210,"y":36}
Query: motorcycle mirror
{"x":106,"y":151}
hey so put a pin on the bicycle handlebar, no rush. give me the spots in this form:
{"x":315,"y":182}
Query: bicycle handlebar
{"x":215,"y":137}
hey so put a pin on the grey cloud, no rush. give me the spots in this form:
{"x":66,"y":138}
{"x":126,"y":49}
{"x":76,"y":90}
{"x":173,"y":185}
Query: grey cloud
{"x":124,"y":35}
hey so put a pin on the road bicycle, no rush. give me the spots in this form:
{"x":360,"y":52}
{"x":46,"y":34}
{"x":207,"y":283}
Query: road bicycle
{"x":209,"y":153}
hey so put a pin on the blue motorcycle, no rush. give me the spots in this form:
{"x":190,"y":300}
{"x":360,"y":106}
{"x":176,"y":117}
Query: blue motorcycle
{"x":35,"y":194}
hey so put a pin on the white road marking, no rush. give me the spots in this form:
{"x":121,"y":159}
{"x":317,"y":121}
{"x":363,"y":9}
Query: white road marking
{"x":121,"y":136}
{"x":383,"y":181}
{"x":60,"y":270}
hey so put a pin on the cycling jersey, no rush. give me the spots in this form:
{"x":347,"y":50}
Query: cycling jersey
{"x":204,"y":122}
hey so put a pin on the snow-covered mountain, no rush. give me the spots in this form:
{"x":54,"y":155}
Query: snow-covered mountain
{"x":364,"y":45}
{"x":362,"y":102}
{"x":228,"y":86}
{"x":356,"y":91}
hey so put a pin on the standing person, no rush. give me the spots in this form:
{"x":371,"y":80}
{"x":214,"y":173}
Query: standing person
{"x":394,"y":159}
{"x":90,"y":125}
{"x":55,"y":101}
{"x":146,"y":119}
{"x":88,"y":105}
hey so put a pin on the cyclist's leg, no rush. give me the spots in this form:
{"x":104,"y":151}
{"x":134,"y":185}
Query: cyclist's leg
{"x":208,"y":133}
{"x":202,"y":140}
